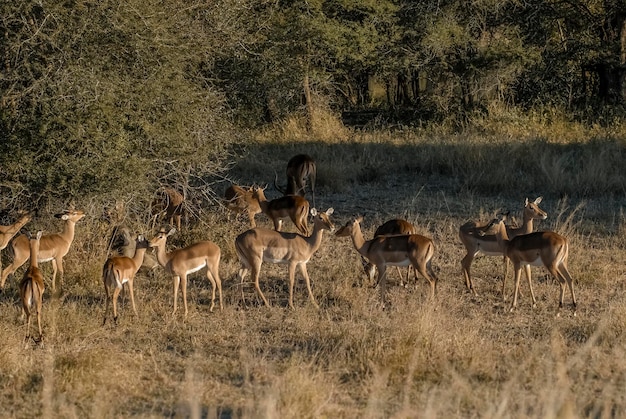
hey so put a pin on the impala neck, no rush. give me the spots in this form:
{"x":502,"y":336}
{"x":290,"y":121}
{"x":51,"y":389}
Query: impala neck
{"x":68,"y":231}
{"x":162,"y":256}
{"x":502,"y":237}
{"x":358,"y":240}
{"x":34,"y":252}
{"x":13,"y":228}
{"x":527,"y":223}
{"x":315,"y":239}
{"x":138,"y":257}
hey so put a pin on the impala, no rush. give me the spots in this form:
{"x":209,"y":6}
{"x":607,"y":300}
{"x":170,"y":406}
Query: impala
{"x":122,"y":243}
{"x":390,"y":228}
{"x":292,"y":206}
{"x":182,"y":262}
{"x":169,"y":202}
{"x":7,"y":232}
{"x":403,"y":250}
{"x":119,"y":270}
{"x":32,"y":286}
{"x":542,"y":248}
{"x":475,"y":242}
{"x":299,"y":168}
{"x":260,"y":245}
{"x":238,"y":200}
{"x":53,"y":247}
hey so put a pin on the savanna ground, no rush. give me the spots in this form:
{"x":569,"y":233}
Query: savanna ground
{"x":457,"y":356}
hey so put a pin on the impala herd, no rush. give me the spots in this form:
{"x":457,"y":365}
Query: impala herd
{"x":395,"y":243}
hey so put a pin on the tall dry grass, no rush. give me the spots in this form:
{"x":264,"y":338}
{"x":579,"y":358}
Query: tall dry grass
{"x":457,"y":356}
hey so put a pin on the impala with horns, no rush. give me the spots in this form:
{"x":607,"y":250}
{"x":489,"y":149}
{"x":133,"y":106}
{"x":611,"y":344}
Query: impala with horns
{"x":32,"y":286}
{"x":403,"y":250}
{"x":393,"y":227}
{"x":52,"y":247}
{"x":300,"y":168}
{"x":260,"y":245}
{"x":7,"y":232}
{"x":182,"y":262}
{"x":120,"y":270}
{"x":170,"y":203}
{"x":238,"y":200}
{"x":294,"y":207}
{"x":476,"y":242}
{"x":541,"y":248}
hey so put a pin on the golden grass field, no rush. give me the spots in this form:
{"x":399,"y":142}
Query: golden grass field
{"x":456,"y":356}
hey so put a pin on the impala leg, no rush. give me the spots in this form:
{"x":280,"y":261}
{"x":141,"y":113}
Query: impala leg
{"x":305,"y":274}
{"x":382,"y":273}
{"x":55,"y":269}
{"x":183,"y":285}
{"x":39,"y":306}
{"x":218,"y":282}
{"x":209,"y":276}
{"x":132,"y":296}
{"x":562,"y":268}
{"x":243,"y":271}
{"x":466,"y":264}
{"x":292,"y":280}
{"x":530,"y":284}
{"x":506,"y":272}
{"x":421,"y":268}
{"x":256,"y":271}
{"x":116,"y":293}
{"x":518,"y":273}
{"x":107,"y":301}
{"x":176,"y":284}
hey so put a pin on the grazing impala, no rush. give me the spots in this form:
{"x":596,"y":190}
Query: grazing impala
{"x":292,"y":206}
{"x":119,"y":270}
{"x":260,"y":245}
{"x":390,"y":228}
{"x":299,"y":168}
{"x":238,"y":200}
{"x":404,"y":250}
{"x":32,"y":286}
{"x":7,"y":232}
{"x":182,"y":262}
{"x":475,"y":242}
{"x":53,"y":247}
{"x":169,"y":202}
{"x":542,"y":248}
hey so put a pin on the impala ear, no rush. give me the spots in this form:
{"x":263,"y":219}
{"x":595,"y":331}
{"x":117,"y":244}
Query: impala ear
{"x":329,"y":211}
{"x":538,"y":200}
{"x":313,"y":212}
{"x":359,"y":219}
{"x":39,"y":234}
{"x":172,"y":231}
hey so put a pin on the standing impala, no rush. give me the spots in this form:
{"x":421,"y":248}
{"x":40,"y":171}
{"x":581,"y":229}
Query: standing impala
{"x":32,"y":286}
{"x":260,"y":245}
{"x":403,"y":250}
{"x":542,"y":248}
{"x":53,"y":247}
{"x":292,"y":206}
{"x":119,"y":270}
{"x":7,"y":232}
{"x":476,"y":242}
{"x":390,"y":228}
{"x":182,"y":262}
{"x":299,"y":168}
{"x":238,"y":199}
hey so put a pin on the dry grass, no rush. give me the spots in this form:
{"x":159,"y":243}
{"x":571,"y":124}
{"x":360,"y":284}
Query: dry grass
{"x":458,"y":356}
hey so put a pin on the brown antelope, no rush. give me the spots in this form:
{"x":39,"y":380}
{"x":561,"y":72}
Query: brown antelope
{"x":292,"y":206}
{"x":259,"y":245}
{"x":541,"y":248}
{"x":390,"y":228}
{"x":53,"y":247}
{"x":122,"y":243}
{"x":169,"y":202}
{"x":182,"y":262}
{"x":475,"y":242}
{"x":32,"y":286}
{"x":9,"y":231}
{"x":403,"y":250}
{"x":119,"y":270}
{"x":299,"y":168}
{"x":238,"y":200}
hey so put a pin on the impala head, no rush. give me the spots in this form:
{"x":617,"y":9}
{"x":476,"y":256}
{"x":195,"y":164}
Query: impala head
{"x":73,"y":215}
{"x":161,"y":238}
{"x":323,"y":218}
{"x":494,"y":225}
{"x":532,"y":210}
{"x":142,"y":242}
{"x":258,"y":192}
{"x":349,"y":227}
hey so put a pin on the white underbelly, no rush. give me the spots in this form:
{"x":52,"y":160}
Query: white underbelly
{"x":490,"y":253}
{"x":536,"y":262}
{"x":44,"y":259}
{"x":196,"y":269}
